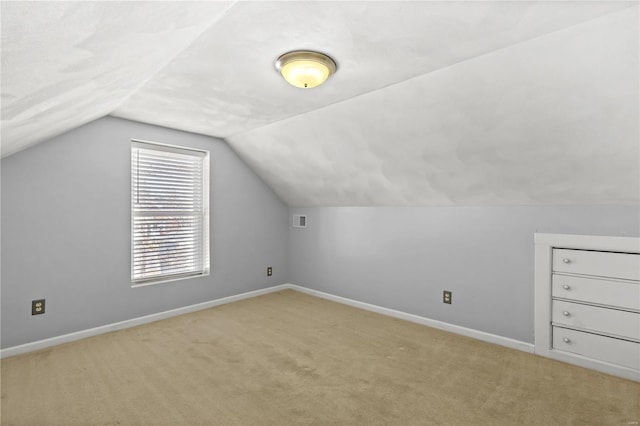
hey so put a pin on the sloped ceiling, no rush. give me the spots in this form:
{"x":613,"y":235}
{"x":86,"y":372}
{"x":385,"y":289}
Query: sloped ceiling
{"x":67,"y":63}
{"x":434,"y":103}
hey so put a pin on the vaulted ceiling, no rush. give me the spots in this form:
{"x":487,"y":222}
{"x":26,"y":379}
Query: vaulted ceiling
{"x":434,"y":103}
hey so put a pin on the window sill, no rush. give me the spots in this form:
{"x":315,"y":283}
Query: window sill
{"x":168,"y":279}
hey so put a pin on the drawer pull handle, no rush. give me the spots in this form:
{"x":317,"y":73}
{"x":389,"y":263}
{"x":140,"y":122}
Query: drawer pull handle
{"x":566,"y":260}
{"x":566,"y":313}
{"x":566,"y":287}
{"x":566,"y":340}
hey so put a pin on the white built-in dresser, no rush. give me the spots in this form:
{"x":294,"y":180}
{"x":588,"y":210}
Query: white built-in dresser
{"x":587,"y":301}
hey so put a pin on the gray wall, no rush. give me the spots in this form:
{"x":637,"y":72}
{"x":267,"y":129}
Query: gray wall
{"x":66,"y":223}
{"x":66,"y":232}
{"x":404,"y":257}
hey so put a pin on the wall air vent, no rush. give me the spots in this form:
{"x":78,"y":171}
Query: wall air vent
{"x":299,"y":220}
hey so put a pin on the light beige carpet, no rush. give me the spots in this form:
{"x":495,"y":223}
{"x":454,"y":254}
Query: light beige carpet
{"x":291,"y":359}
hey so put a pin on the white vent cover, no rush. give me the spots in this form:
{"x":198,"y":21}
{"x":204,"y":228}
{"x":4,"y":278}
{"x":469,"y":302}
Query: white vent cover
{"x":299,"y":220}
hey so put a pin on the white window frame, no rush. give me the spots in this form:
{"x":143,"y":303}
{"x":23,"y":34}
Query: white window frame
{"x":140,"y":282}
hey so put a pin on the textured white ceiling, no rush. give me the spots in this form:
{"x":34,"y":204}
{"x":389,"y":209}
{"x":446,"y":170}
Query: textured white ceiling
{"x":67,"y":63}
{"x":225,"y":82}
{"x":552,"y":120}
{"x":433,"y":103}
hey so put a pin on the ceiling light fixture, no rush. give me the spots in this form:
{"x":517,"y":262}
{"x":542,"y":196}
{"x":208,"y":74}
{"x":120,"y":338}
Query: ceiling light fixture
{"x":305,"y":69}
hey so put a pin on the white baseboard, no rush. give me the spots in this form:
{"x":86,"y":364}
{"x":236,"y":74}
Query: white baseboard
{"x":469,"y":332}
{"x":593,"y":364}
{"x":65,"y":338}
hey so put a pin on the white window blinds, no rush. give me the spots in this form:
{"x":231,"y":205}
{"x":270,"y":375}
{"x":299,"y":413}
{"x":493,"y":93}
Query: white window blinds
{"x":169,"y":212}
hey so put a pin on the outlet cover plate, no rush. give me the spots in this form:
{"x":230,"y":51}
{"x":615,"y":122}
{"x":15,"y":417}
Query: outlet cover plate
{"x":37,"y":307}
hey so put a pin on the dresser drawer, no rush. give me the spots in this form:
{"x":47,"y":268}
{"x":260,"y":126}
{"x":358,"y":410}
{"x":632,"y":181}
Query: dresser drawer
{"x":608,"y":349}
{"x":602,"y":320}
{"x":598,"y":263}
{"x":597,"y":290}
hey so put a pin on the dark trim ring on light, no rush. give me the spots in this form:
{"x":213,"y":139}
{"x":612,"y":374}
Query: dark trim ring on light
{"x":305,"y":69}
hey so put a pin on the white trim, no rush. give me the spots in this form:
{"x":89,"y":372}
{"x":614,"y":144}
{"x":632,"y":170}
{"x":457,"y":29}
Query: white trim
{"x":593,"y":364}
{"x":542,"y":297}
{"x":544,"y":245}
{"x":588,"y":242}
{"x":181,"y":277}
{"x":469,"y":332}
{"x":174,"y":148}
{"x":203,"y":157}
{"x":65,"y":338}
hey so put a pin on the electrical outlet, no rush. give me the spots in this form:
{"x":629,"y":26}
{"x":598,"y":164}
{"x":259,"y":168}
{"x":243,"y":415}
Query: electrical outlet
{"x":446,"y":297}
{"x":37,"y":307}
{"x":269,"y":271}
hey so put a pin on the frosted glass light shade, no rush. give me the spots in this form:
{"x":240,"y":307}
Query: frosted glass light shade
{"x":305,"y":69}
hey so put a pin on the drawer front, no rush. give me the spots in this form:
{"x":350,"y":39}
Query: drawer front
{"x":595,"y":290}
{"x":614,"y":351}
{"x":602,"y":320}
{"x":598,"y":263}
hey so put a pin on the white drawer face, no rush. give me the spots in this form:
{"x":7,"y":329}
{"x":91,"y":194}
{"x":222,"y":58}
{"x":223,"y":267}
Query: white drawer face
{"x":592,"y":318}
{"x":596,"y":290}
{"x":598,"y":263}
{"x":614,"y":351}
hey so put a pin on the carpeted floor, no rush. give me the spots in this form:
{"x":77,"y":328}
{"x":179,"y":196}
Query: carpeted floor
{"x":292,"y":359}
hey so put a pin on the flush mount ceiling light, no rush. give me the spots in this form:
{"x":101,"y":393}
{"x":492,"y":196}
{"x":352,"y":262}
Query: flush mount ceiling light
{"x":305,"y":69}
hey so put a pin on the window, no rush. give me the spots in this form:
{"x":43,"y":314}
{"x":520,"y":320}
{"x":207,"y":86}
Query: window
{"x":169,"y":212}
